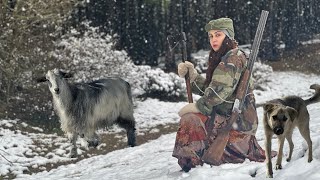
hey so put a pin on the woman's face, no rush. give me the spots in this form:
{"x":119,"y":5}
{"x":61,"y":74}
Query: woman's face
{"x":216,"y":38}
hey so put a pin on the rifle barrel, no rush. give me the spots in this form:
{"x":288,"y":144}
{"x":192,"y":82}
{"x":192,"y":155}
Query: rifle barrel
{"x":258,"y":36}
{"x":184,"y":42}
{"x":255,"y":47}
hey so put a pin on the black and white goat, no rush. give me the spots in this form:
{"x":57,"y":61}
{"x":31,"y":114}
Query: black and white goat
{"x":84,"y":107}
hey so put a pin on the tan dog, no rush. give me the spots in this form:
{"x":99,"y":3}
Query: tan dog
{"x":281,"y":116}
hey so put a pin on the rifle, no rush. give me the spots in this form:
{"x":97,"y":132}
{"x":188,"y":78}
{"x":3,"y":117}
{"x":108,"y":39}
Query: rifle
{"x":215,"y":151}
{"x":173,"y":41}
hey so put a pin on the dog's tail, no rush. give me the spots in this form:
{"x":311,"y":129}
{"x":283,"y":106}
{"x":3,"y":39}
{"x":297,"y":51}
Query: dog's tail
{"x":316,"y":97}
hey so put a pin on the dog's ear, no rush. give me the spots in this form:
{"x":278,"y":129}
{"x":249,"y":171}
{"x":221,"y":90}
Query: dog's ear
{"x":292,"y":113}
{"x":268,"y":107}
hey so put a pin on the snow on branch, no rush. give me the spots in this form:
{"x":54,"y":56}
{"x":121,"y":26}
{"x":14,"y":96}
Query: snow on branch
{"x":91,"y":55}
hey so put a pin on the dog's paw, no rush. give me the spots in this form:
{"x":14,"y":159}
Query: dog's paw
{"x":288,"y":159}
{"x":278,"y":166}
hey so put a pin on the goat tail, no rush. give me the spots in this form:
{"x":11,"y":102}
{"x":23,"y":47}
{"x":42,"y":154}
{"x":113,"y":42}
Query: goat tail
{"x":129,"y":92}
{"x":316,"y":96}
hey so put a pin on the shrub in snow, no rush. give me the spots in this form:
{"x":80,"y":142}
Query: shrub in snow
{"x":91,"y":56}
{"x":200,"y":59}
{"x":156,"y":83}
{"x":261,"y":74}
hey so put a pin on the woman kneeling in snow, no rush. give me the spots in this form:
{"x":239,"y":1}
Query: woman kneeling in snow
{"x":201,"y":120}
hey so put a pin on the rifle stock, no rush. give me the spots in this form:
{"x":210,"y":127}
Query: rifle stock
{"x":173,"y":41}
{"x":216,"y":149}
{"x":189,"y":91}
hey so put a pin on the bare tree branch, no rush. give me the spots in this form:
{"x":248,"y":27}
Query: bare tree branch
{"x":5,"y":157}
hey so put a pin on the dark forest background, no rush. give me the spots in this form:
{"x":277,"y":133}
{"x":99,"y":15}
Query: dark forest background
{"x":143,"y":25}
{"x":30,"y":30}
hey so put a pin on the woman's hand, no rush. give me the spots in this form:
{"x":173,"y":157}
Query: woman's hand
{"x":184,"y":68}
{"x":189,"y":108}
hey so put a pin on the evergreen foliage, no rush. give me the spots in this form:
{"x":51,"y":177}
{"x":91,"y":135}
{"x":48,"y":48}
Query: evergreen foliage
{"x":143,"y":25}
{"x":91,"y":55}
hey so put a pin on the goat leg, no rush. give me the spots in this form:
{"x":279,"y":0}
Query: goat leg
{"x":131,"y":135}
{"x":73,"y":141}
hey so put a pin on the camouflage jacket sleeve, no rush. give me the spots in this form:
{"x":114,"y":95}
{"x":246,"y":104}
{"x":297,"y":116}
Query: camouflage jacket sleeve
{"x":198,"y":86}
{"x":224,"y":81}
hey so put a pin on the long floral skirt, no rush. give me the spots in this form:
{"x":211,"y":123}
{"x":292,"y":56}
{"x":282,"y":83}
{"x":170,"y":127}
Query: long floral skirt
{"x":192,"y":140}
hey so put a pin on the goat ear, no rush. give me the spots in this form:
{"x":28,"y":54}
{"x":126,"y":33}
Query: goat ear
{"x":292,"y":113}
{"x":41,"y":79}
{"x":66,"y":75}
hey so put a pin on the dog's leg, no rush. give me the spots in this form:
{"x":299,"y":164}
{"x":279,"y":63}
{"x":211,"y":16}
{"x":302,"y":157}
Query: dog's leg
{"x":305,"y":132}
{"x":291,"y":146}
{"x":280,"y":152}
{"x":267,"y":143}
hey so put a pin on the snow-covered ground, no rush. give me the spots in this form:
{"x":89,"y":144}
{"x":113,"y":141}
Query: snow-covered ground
{"x":153,"y":160}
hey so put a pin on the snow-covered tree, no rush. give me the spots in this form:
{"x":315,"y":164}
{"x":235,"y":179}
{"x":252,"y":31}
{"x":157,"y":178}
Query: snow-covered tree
{"x":27,"y":29}
{"x":92,"y":55}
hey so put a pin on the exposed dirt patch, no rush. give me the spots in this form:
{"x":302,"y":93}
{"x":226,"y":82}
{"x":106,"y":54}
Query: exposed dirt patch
{"x":114,"y":142}
{"x":110,"y":142}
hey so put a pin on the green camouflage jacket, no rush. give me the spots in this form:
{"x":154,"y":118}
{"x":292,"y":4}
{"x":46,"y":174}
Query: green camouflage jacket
{"x":221,"y":91}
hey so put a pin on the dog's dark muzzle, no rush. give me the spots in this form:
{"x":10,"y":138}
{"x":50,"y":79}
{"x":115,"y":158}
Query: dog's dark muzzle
{"x":278,"y":130}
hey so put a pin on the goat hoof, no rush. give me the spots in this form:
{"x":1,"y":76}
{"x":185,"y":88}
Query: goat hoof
{"x":309,"y":160}
{"x":278,"y":166}
{"x":132,"y":144}
{"x":93,"y":143}
{"x":73,"y":155}
{"x":131,"y":141}
{"x":288,"y":159}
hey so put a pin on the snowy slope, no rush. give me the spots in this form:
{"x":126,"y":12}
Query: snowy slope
{"x":153,"y":160}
